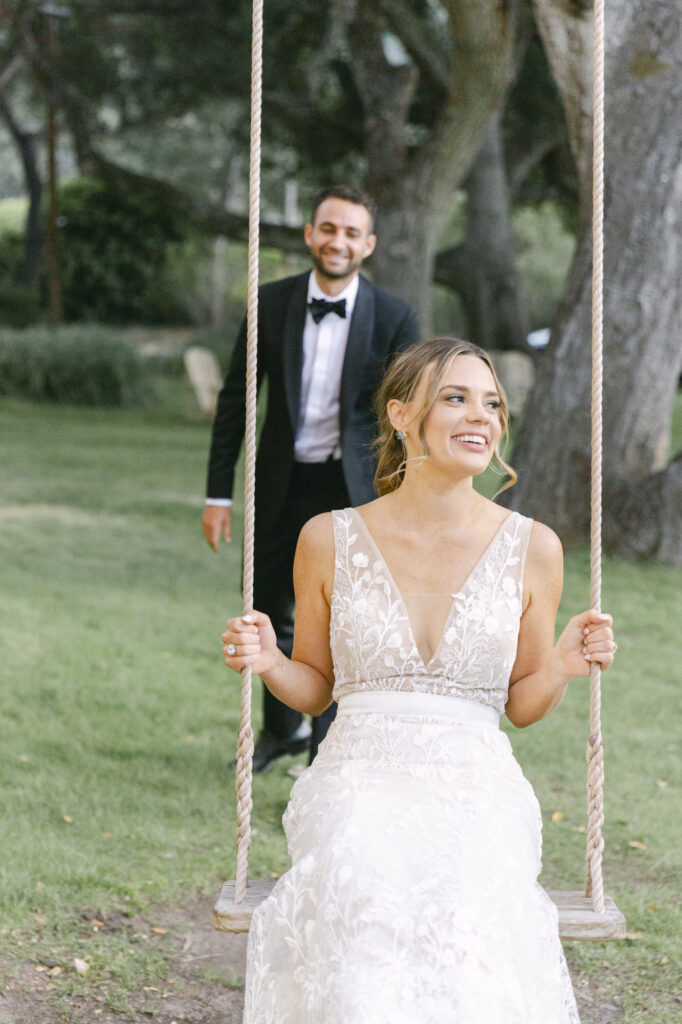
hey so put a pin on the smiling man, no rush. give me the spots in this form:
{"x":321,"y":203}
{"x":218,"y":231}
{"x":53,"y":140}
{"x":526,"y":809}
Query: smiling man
{"x":324,"y":339}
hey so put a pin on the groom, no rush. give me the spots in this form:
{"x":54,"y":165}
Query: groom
{"x":324,"y":339}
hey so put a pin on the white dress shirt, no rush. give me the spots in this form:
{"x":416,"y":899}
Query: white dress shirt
{"x":318,"y":433}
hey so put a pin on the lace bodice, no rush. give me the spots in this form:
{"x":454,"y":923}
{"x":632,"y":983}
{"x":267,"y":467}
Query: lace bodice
{"x":371,"y":639}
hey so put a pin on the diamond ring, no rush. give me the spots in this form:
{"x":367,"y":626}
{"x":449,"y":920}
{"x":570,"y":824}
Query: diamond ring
{"x":231,"y":649}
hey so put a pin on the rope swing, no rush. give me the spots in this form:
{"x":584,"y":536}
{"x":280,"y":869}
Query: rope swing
{"x":581,"y":916}
{"x":245,"y":740}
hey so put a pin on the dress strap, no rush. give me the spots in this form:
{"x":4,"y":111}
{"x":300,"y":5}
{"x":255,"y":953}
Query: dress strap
{"x":522,"y":527}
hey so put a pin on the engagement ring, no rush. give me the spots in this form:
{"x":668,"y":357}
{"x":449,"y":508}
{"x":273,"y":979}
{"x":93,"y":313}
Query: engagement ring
{"x":231,"y":649}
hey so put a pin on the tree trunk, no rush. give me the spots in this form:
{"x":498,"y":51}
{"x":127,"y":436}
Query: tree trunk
{"x":29,"y":271}
{"x":642,"y":311}
{"x":483,"y":269}
{"x":412,"y":184}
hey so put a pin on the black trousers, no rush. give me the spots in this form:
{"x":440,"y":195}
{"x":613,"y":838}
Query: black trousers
{"x":314,"y":488}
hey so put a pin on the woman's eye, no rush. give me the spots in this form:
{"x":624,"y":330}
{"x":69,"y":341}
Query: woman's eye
{"x":455,"y":398}
{"x":494,"y":404}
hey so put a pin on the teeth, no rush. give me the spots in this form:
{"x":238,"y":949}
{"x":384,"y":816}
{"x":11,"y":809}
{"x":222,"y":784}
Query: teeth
{"x":473,"y":438}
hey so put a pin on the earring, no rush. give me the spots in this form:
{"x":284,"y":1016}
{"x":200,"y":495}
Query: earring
{"x":401,"y":435}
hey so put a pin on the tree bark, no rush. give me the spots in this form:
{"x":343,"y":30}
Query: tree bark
{"x":414,"y":183}
{"x":29,"y":271}
{"x":642,"y":309}
{"x":483,"y":269}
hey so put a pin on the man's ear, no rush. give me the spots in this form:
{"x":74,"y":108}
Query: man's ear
{"x":308,"y":234}
{"x":370,"y":245}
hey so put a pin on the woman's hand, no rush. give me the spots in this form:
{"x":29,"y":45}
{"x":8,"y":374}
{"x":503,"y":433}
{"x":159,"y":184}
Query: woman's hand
{"x":250,"y":640}
{"x":587,"y":638}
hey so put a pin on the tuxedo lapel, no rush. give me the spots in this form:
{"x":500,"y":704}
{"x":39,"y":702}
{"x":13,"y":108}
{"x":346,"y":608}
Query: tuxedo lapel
{"x":292,"y":347}
{"x":357,"y":347}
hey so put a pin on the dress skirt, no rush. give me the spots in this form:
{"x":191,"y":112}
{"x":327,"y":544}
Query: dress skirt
{"x":412,"y":898}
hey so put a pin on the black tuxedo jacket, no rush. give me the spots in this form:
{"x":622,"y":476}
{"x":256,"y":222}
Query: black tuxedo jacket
{"x":380,"y":325}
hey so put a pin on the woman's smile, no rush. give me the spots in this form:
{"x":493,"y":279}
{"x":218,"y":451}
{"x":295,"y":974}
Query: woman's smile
{"x":475,"y":441}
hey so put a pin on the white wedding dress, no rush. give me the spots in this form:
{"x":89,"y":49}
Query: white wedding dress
{"x":414,"y":836}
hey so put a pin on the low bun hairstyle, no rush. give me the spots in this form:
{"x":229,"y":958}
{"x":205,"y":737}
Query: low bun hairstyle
{"x":401,"y":381}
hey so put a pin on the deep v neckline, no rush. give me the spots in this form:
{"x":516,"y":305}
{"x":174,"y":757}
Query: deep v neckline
{"x":446,"y":625}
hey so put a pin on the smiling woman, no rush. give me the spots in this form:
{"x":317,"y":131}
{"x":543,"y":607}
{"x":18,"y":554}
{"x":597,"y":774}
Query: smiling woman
{"x":404,"y":385}
{"x":414,"y":836}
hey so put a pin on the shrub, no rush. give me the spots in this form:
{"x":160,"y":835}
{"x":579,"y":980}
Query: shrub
{"x":113,"y":252}
{"x":11,"y":251}
{"x":77,"y":366}
{"x":19,"y":306}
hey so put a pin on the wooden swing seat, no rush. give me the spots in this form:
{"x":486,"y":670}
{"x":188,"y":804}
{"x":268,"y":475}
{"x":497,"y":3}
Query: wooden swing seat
{"x":577,"y":919}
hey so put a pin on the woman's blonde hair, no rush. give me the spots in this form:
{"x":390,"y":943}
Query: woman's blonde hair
{"x":401,"y":381}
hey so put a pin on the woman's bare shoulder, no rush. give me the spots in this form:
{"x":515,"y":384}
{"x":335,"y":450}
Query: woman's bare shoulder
{"x":314,"y":561}
{"x":544,"y":546}
{"x":318,"y":532}
{"x":544,"y":569}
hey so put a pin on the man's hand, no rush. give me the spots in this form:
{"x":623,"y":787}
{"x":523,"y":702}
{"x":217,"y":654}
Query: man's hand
{"x":215,"y":520}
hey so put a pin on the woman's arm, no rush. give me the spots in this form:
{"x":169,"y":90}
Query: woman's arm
{"x":305,"y":681}
{"x":543,"y":670}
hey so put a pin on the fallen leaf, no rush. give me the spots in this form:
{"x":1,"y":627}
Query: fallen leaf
{"x":24,"y":758}
{"x":97,"y":923}
{"x":67,"y":818}
{"x":662,"y":783}
{"x":606,"y":963}
{"x":54,"y":971}
{"x":558,"y":816}
{"x":108,"y":835}
{"x":189,"y":738}
{"x":160,"y":931}
{"x":663,"y":960}
{"x":581,"y":828}
{"x":82,"y":966}
{"x":635,"y":843}
{"x":39,"y":968}
{"x":40,"y":885}
{"x":653,"y":906}
{"x":634,"y":935}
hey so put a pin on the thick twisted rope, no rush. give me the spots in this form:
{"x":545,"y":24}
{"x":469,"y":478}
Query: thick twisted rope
{"x":245,"y":741}
{"x":595,"y":842}
{"x":595,"y":756}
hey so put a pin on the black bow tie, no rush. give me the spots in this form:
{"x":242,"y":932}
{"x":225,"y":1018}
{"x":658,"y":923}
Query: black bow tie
{"x":320,"y":307}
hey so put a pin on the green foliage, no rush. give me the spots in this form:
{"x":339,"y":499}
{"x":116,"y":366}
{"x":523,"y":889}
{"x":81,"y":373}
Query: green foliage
{"x":11,"y":247}
{"x":77,"y":366}
{"x":113,"y":253}
{"x":19,"y":305}
{"x":545,"y":249}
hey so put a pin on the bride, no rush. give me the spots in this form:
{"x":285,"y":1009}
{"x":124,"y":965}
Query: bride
{"x":414,"y":836}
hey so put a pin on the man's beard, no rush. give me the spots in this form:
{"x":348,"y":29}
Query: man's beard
{"x":332,"y":274}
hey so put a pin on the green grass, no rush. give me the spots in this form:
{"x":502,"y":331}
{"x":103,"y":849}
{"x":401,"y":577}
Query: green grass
{"x":116,"y":713}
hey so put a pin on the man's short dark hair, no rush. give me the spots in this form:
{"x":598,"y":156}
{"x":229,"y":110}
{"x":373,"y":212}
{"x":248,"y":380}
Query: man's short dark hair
{"x":351,"y":195}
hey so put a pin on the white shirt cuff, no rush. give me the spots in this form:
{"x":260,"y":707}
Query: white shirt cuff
{"x":222,"y":502}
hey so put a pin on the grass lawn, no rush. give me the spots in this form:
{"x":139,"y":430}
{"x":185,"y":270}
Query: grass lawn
{"x":117,"y":717}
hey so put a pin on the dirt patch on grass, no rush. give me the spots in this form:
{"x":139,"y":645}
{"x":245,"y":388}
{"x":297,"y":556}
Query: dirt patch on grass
{"x":205,"y":982}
